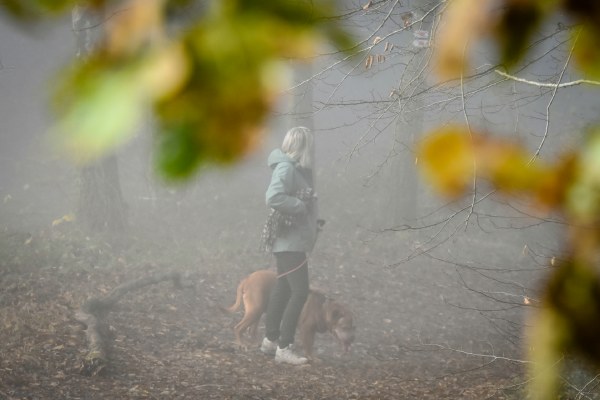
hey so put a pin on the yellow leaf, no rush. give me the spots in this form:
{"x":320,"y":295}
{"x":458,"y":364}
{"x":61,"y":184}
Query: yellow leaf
{"x":548,"y":332}
{"x":165,"y":72}
{"x":64,"y":218}
{"x":452,"y":155}
{"x":137,"y":25}
{"x":446,"y":159}
{"x":69,"y":217}
{"x":462,"y":22}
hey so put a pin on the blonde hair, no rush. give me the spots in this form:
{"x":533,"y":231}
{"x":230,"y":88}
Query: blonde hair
{"x":298,"y":144}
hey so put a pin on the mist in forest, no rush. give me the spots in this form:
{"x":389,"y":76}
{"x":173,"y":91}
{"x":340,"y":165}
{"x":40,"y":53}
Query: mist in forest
{"x":417,"y":269}
{"x":222,"y":209}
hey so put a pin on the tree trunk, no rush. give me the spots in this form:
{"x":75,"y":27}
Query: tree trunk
{"x":303,"y":112}
{"x":101,"y":206}
{"x":403,"y":181}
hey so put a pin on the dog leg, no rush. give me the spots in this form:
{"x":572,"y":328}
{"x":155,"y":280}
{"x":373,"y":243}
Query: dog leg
{"x":253,"y":330}
{"x":307,"y":339}
{"x":248,"y":323}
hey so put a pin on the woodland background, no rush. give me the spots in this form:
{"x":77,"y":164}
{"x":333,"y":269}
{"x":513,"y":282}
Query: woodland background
{"x":442,"y":289}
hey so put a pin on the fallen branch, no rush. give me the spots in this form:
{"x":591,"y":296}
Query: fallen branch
{"x":91,"y":312}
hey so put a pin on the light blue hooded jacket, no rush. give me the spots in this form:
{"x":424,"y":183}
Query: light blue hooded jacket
{"x":285,"y":182}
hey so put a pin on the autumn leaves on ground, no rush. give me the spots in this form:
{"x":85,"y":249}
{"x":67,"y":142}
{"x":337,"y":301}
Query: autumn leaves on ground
{"x":174,"y":343}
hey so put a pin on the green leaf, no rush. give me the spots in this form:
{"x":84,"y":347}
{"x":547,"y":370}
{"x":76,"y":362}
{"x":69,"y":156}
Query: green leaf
{"x":568,"y":323}
{"x":211,"y":87}
{"x":583,"y":195}
{"x":587,"y":50}
{"x":102,"y":109}
{"x":518,"y":23}
{"x":36,"y":9}
{"x":178,"y":152}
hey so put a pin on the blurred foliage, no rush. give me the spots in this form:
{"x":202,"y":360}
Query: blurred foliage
{"x":28,"y":10}
{"x":210,"y":84}
{"x":512,"y":24}
{"x":450,"y":159}
{"x":456,"y":160}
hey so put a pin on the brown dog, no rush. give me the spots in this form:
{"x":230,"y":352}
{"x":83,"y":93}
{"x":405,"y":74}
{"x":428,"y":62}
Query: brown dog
{"x":319,"y":313}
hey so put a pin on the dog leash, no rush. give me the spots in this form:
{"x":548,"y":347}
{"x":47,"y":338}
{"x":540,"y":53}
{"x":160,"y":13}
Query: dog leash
{"x":306,"y":259}
{"x":294,"y":269}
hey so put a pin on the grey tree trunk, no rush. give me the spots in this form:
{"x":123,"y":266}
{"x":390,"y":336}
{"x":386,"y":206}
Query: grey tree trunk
{"x":303,"y":96}
{"x":404,"y":181}
{"x":302,"y":108}
{"x":101,"y":207}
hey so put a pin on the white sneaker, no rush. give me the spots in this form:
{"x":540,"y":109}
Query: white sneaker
{"x":286,"y":355}
{"x":268,"y":347}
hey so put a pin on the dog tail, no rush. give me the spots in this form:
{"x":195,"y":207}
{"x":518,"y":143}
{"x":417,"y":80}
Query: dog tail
{"x":238,"y":300}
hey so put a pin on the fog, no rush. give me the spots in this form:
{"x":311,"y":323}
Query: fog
{"x":437,"y":289}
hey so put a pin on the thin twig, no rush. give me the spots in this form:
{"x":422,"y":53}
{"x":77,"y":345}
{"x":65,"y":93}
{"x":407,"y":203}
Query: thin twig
{"x":468,"y":122}
{"x":547,"y":127}
{"x":545,"y":84}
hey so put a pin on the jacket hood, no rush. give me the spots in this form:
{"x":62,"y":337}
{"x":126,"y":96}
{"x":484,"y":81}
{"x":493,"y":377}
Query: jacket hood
{"x":277,"y":156}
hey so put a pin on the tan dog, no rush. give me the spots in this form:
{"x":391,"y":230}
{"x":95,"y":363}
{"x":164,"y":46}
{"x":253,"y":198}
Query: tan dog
{"x":319,"y":313}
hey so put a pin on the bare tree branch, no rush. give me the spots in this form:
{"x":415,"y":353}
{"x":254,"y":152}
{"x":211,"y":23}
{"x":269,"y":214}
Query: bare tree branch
{"x":548,"y":85}
{"x":546,"y":128}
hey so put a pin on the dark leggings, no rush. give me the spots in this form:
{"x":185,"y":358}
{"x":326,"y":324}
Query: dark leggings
{"x":287,"y":298}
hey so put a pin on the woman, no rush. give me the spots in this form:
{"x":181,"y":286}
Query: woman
{"x":290,"y":194}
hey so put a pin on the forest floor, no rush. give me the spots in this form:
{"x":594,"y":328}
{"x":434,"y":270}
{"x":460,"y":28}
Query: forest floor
{"x":169,"y":343}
